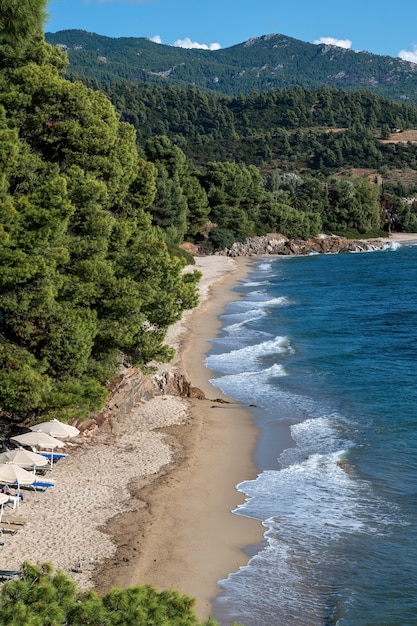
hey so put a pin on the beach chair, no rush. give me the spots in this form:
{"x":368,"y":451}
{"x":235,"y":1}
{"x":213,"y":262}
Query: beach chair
{"x":40,"y":485}
{"x":53,"y":456}
{"x":10,"y":529}
{"x":7,"y":574}
{"x":14,"y":500}
{"x":13,"y":519}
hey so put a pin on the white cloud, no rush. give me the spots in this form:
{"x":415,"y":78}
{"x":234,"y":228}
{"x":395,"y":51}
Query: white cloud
{"x":187,"y":43}
{"x":331,"y":41}
{"x":408,"y":55}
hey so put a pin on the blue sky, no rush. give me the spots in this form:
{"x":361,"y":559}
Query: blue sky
{"x":369,"y":25}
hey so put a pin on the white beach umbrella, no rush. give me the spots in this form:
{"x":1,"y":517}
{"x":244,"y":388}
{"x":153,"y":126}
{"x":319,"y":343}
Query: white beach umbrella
{"x":23,"y":457}
{"x":11,"y":473}
{"x":56,"y":429}
{"x":38,"y":440}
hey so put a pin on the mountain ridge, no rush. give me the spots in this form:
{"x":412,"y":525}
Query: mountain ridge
{"x":264,"y":63}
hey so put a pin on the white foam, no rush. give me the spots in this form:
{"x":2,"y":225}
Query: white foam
{"x":393,"y":245}
{"x":247,"y":316}
{"x":316,"y":500}
{"x":264,"y":267}
{"x":241,"y":326}
{"x":280,"y":301}
{"x":254,"y":283}
{"x":252,"y":387}
{"x":244,"y":359}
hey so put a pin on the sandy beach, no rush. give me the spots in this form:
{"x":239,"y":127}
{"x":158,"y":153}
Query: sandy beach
{"x":400,"y":238}
{"x":147,"y":497}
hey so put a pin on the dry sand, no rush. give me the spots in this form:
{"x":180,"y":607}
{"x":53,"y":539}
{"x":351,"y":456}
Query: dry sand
{"x":401,"y":238}
{"x":149,"y":500}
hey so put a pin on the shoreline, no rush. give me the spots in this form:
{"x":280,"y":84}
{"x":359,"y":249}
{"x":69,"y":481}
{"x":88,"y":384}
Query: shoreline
{"x":190,"y":537}
{"x":202,"y":541}
{"x":397,"y":238}
{"x":147,"y":497}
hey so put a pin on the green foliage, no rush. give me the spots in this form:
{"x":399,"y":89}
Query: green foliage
{"x":263,"y":64}
{"x":291,"y":222}
{"x":353,"y":205}
{"x":235,"y":193}
{"x":85,"y":277}
{"x":18,"y":20}
{"x":258,"y":130}
{"x":185,"y":257}
{"x":42,"y":597}
{"x":23,"y":383}
{"x":180,"y":201}
{"x":221,"y":238}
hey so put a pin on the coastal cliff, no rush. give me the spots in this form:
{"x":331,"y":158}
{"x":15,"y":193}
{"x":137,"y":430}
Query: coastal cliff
{"x":134,"y":387}
{"x":277,"y":244}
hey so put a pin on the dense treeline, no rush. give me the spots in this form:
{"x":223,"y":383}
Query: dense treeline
{"x":42,"y":597}
{"x":92,"y":212}
{"x":288,"y":128}
{"x":271,"y":161}
{"x":240,"y":201}
{"x":85,"y":276}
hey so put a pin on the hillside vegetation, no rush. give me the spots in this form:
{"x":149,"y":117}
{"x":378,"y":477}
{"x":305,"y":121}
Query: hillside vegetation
{"x":101,"y":183}
{"x":296,"y":161}
{"x":264,"y":63}
{"x":87,"y":282}
{"x":288,"y":129}
{"x":44,"y":597}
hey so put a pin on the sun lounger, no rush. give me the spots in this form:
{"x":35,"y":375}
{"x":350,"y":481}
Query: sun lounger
{"x":41,"y":485}
{"x":8,"y":574}
{"x":11,"y":529}
{"x":54,"y":456}
{"x":13,"y":519}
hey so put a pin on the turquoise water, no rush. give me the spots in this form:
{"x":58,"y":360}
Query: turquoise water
{"x":326,"y":346}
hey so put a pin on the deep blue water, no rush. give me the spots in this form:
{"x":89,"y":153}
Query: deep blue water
{"x":326,"y":346}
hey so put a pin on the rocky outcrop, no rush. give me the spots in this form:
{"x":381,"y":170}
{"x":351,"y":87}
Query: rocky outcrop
{"x":175,"y":384}
{"x":133,"y":387}
{"x":276,"y":244}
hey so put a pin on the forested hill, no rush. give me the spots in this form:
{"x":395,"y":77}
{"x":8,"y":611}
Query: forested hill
{"x":264,"y":64}
{"x":289,"y":129}
{"x":92,"y":213}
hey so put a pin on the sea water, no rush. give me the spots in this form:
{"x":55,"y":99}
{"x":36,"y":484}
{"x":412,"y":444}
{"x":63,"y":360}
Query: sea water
{"x":326,"y":347}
